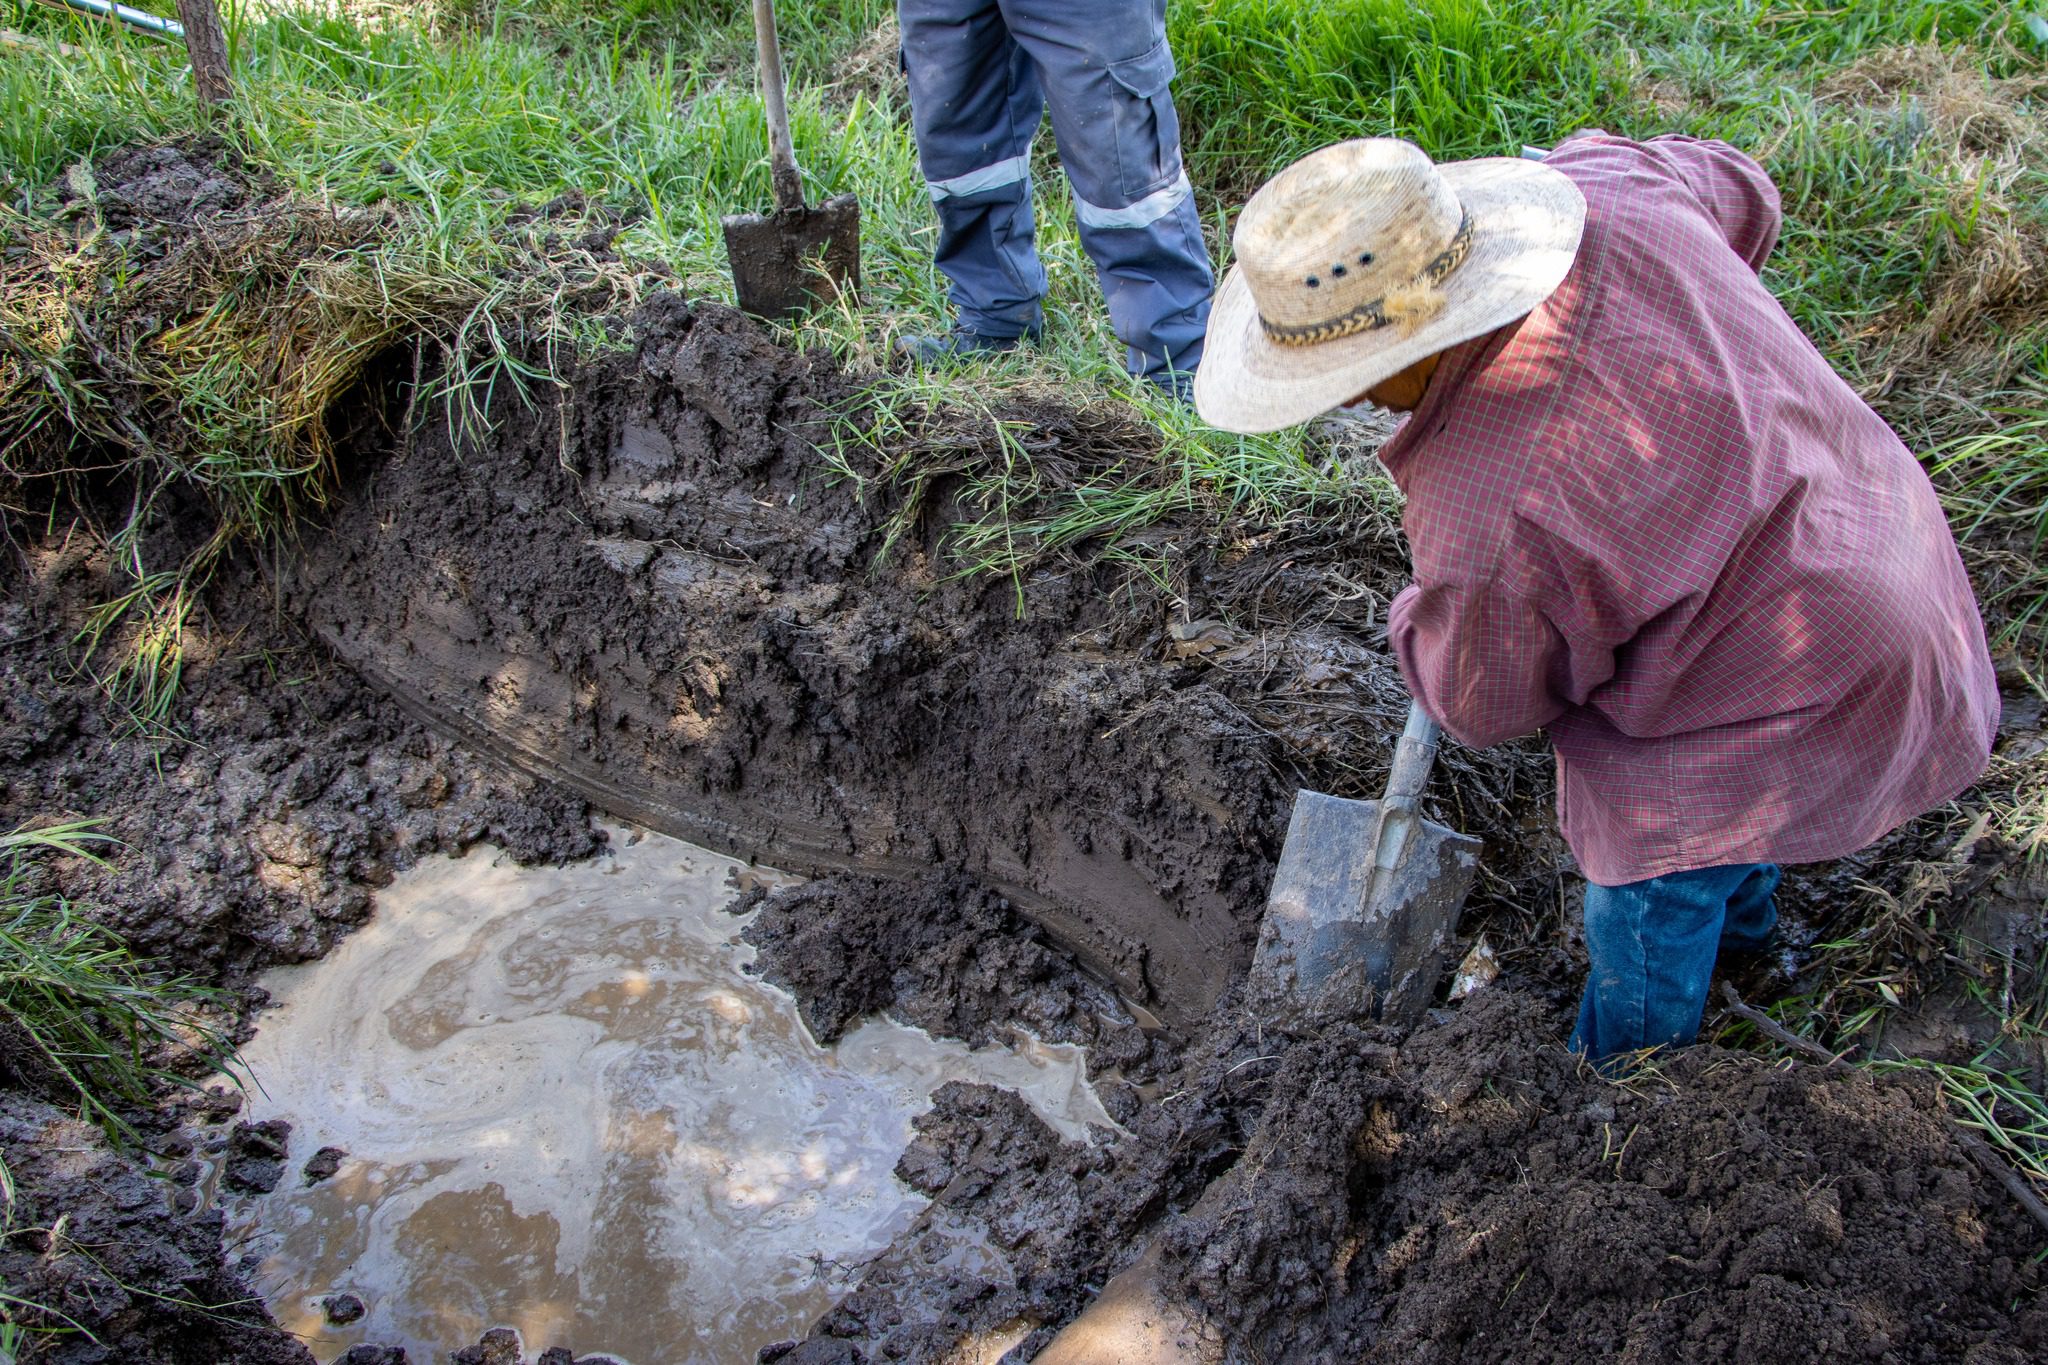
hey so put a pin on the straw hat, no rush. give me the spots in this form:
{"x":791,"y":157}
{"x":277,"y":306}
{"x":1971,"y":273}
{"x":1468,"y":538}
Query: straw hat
{"x":1363,"y":258}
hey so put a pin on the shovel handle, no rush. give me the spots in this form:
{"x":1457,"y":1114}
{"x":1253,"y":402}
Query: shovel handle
{"x":789,"y":182}
{"x":1414,"y":756}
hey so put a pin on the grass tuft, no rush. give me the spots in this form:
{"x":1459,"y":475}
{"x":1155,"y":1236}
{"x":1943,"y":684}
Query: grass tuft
{"x":81,"y":1018}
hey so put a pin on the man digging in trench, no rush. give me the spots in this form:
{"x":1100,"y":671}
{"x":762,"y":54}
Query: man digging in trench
{"x":1644,"y":513}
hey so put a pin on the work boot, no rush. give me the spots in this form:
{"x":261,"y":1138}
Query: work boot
{"x":958,"y":345}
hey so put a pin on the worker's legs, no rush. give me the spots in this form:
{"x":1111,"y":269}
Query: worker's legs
{"x":1753,"y":911}
{"x":1105,"y":66}
{"x":975,"y":106}
{"x":1652,"y":945}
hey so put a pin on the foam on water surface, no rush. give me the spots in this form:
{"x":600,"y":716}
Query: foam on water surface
{"x":567,"y":1110}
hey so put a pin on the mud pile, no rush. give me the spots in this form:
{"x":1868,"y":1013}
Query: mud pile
{"x":1479,"y":1195}
{"x":1472,"y":1192}
{"x":278,"y":797}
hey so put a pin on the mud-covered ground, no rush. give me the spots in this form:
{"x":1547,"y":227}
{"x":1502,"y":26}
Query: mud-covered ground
{"x":655,"y":591}
{"x":256,"y":829}
{"x":1469,"y":1192}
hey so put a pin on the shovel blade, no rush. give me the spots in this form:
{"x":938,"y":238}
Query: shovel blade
{"x":783,"y":261}
{"x":1330,"y":948}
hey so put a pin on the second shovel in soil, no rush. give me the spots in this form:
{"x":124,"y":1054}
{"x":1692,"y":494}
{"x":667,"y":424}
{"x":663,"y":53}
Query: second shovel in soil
{"x":1364,"y":901}
{"x":783,"y":260}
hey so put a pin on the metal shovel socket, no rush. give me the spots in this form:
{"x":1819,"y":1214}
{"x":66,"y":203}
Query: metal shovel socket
{"x":784,"y":260}
{"x":1365,"y":900}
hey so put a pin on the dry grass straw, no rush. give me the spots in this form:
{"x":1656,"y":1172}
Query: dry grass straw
{"x":1980,"y":142}
{"x":209,"y":350}
{"x":186,"y":329}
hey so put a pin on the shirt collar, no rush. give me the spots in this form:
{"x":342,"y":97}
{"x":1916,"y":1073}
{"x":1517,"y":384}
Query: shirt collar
{"x":1462,"y":365}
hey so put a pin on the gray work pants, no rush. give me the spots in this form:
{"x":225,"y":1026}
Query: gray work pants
{"x":981,"y":72}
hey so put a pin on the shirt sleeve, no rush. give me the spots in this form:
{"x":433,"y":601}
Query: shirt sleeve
{"x":1734,"y":190}
{"x":1484,"y":663}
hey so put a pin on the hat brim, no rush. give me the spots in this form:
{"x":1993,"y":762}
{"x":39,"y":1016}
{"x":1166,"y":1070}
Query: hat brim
{"x":1526,"y":220}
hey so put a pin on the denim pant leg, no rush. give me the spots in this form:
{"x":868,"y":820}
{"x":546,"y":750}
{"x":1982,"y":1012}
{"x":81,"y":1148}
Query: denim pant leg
{"x":1652,"y":946}
{"x":1106,"y":69}
{"x":1753,"y":910}
{"x":975,"y":105}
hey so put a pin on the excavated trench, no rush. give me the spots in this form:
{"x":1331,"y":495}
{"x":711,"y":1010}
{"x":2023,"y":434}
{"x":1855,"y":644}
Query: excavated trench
{"x":655,"y":593}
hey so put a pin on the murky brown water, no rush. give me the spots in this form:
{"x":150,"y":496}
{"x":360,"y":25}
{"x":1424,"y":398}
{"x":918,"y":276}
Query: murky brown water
{"x":567,"y":1111}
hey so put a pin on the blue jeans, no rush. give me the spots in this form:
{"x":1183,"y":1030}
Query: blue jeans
{"x":1653,"y":944}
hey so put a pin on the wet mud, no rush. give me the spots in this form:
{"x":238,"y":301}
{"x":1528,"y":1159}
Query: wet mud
{"x":652,"y":593}
{"x":1478,"y":1195}
{"x":659,"y":590}
{"x":565,"y":1109}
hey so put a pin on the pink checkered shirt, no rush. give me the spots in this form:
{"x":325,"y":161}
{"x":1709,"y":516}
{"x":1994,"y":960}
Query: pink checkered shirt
{"x":1651,"y":519}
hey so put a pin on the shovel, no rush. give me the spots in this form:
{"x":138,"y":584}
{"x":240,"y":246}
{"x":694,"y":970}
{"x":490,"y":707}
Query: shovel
{"x":1362,"y":906}
{"x":781,"y":260}
{"x":1364,"y":901}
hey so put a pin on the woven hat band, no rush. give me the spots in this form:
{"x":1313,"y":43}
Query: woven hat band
{"x":1413,"y":305}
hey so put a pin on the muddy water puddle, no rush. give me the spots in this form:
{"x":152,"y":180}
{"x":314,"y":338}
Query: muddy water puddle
{"x":567,"y":1111}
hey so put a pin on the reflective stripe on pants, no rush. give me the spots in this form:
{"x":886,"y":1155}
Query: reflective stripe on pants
{"x":982,"y":72}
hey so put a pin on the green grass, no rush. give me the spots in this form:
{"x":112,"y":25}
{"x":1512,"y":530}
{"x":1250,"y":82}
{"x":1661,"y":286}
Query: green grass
{"x":101,"y":1028}
{"x":2000,"y":495}
{"x":459,"y":119}
{"x":462,"y":114}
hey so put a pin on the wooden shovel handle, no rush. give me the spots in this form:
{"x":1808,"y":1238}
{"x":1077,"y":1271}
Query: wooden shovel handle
{"x":789,"y":182}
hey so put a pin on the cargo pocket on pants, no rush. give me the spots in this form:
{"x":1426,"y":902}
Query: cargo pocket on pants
{"x":1146,"y":128}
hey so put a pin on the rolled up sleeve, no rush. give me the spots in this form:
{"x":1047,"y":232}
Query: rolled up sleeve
{"x":1484,"y":663}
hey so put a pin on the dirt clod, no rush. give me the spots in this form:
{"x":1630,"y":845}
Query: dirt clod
{"x":322,"y":1165}
{"x":256,"y":1155}
{"x":942,"y":952}
{"x":343,"y":1309}
{"x":499,"y":1346}
{"x":373,"y":1355}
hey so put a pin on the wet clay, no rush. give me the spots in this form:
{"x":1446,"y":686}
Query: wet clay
{"x":566,"y":1110}
{"x":662,"y":593}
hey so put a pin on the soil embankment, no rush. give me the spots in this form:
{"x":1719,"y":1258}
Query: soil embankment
{"x":662,"y":596}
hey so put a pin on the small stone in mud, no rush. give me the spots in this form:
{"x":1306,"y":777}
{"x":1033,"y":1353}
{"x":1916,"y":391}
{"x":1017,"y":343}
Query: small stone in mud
{"x":256,"y":1155}
{"x":499,"y":1346}
{"x":374,"y":1355}
{"x":217,"y":1103}
{"x":343,"y":1309}
{"x":324,"y":1163}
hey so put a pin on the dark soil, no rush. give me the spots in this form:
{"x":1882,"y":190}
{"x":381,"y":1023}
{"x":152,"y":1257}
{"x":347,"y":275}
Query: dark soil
{"x":656,"y":590}
{"x":261,"y":821}
{"x":92,"y":1236}
{"x":256,"y":828}
{"x":1473,"y":1192}
{"x":942,"y":952}
{"x":663,"y":594}
{"x":1481,"y":1196}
